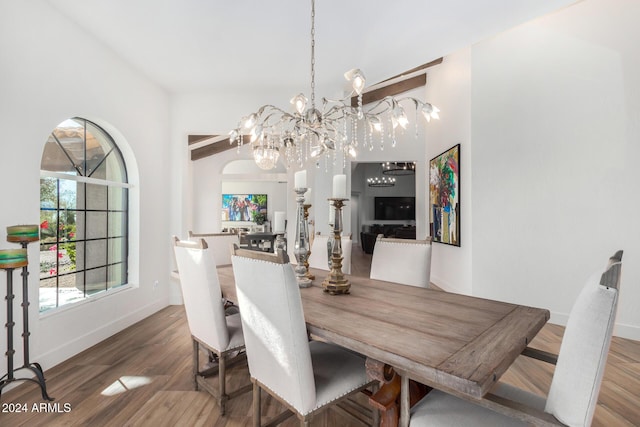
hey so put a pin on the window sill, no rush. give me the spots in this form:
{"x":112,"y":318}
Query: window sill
{"x":92,"y":299}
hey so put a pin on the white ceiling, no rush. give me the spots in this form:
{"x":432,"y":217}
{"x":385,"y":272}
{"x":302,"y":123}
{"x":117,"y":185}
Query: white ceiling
{"x":196,"y":45}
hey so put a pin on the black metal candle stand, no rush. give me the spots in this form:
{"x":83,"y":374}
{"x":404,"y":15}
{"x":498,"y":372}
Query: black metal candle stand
{"x":32,"y":366}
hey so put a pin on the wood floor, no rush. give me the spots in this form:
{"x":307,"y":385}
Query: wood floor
{"x":141,"y":377}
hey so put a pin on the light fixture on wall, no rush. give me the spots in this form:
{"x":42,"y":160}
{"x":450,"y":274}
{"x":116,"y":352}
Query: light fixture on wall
{"x":381,"y":182}
{"x":398,"y":168}
{"x":309,"y":132}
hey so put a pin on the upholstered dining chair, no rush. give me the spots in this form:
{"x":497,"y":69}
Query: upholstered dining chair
{"x":575,"y":386}
{"x":319,"y":257}
{"x":219,"y":244}
{"x":305,"y":376}
{"x":210,"y":328}
{"x":403,"y":261}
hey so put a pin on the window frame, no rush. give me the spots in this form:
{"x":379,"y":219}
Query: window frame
{"x":89,"y":295}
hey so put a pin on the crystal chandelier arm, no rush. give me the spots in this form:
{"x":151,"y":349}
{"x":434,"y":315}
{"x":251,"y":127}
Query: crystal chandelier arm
{"x":308,"y":132}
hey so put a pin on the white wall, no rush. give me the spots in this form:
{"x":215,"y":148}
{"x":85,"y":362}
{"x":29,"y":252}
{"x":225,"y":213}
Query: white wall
{"x":449,"y":88}
{"x":555,"y":124}
{"x":547,"y":118}
{"x":52,"y":70}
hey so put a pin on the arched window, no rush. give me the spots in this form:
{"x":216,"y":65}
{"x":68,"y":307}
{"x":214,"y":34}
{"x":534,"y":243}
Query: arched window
{"x":83,"y":214}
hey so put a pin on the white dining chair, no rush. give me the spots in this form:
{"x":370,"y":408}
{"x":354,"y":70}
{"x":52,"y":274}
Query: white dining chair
{"x":575,"y":386}
{"x":209,"y":327}
{"x":402,"y":261}
{"x":220,"y":244}
{"x":319,"y":257}
{"x":305,"y":376}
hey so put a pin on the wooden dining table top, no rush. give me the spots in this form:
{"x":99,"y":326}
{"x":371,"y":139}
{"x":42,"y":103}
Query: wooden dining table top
{"x":445,"y":340}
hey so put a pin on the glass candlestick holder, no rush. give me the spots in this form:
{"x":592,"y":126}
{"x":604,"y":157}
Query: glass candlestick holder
{"x":301,"y":245}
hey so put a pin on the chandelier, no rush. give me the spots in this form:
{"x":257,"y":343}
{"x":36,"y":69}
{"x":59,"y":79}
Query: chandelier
{"x":381,"y":182}
{"x":312,"y":132}
{"x":399,"y":168}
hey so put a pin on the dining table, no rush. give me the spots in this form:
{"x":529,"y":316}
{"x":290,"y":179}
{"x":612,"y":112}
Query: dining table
{"x":448,"y":341}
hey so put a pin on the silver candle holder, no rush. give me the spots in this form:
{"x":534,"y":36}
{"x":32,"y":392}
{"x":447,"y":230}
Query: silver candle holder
{"x":301,"y":245}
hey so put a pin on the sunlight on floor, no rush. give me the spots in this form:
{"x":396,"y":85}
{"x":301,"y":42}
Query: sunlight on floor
{"x":124,"y":384}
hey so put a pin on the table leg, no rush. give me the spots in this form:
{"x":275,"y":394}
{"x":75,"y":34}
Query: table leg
{"x":404,"y":401}
{"x":385,"y":399}
{"x":395,"y":394}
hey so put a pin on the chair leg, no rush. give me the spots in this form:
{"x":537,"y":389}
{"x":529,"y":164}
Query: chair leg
{"x":256,"y":404}
{"x":222,"y":360}
{"x":196,"y":363}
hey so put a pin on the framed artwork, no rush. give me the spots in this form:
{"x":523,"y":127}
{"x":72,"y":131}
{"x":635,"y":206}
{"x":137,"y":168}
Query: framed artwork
{"x":444,"y":197}
{"x":244,"y":207}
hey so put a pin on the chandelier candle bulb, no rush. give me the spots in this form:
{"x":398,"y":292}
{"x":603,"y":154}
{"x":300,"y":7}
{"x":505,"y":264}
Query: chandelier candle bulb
{"x":300,"y":179}
{"x":340,"y":186}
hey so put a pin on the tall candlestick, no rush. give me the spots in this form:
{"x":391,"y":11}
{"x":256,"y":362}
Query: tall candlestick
{"x":278,"y":222}
{"x":335,"y":283}
{"x":340,"y":186}
{"x":301,"y":245}
{"x":300,"y":179}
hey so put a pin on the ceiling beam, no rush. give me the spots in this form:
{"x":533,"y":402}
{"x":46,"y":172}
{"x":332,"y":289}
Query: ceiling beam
{"x":194,"y":139}
{"x":398,"y":87}
{"x":214,"y":147}
{"x":413,"y":70}
{"x":391,"y":90}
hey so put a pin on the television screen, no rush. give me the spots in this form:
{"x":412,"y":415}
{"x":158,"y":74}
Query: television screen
{"x":243,"y":207}
{"x":395,"y":208}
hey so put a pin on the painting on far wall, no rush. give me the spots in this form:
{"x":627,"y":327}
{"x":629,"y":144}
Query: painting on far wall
{"x":243,"y":207}
{"x":444,"y":197}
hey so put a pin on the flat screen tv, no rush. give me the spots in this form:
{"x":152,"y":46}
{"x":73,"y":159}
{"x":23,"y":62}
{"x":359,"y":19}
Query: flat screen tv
{"x":395,"y":208}
{"x":243,"y":207}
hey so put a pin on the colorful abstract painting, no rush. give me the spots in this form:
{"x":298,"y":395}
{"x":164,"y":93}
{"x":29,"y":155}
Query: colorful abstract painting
{"x":444,"y":196}
{"x":243,"y":207}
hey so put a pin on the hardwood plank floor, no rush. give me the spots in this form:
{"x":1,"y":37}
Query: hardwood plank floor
{"x":142,"y":377}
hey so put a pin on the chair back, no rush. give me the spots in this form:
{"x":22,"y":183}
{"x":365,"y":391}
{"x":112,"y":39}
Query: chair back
{"x":219,"y":244}
{"x":201,"y":293}
{"x":319,"y":257}
{"x":583,"y":353}
{"x":275,"y":333}
{"x":403,"y":261}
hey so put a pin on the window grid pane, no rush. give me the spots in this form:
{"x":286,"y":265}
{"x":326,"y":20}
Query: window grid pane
{"x":83,"y":227}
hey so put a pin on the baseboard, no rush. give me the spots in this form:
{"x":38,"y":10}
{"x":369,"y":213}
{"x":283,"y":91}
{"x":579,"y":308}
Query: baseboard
{"x":445,"y":286}
{"x":619,"y":330}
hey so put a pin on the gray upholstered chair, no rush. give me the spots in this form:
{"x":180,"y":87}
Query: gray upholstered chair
{"x":305,"y":376}
{"x":576,"y":381}
{"x":402,"y":261}
{"x":210,"y":328}
{"x":320,"y":256}
{"x":219,"y":244}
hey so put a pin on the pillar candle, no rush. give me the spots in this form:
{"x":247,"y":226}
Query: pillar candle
{"x":278,"y":222}
{"x":300,"y":179}
{"x":340,"y":186}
